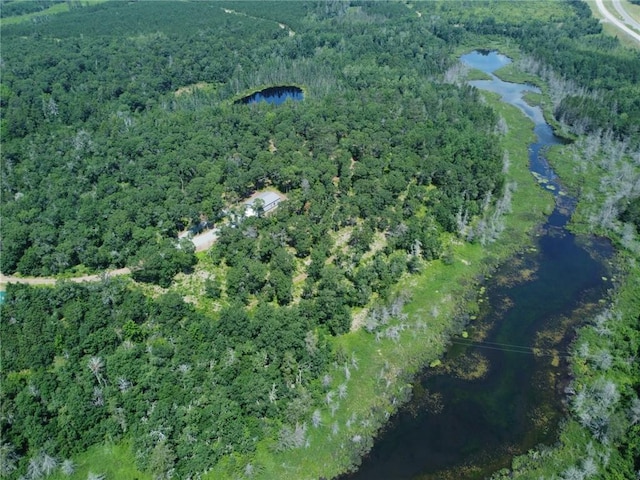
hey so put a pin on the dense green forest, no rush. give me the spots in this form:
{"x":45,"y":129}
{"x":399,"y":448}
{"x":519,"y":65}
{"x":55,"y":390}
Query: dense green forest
{"x":85,"y":122}
{"x":103,"y":164}
{"x":109,"y":362}
{"x":11,"y":8}
{"x":119,"y":130}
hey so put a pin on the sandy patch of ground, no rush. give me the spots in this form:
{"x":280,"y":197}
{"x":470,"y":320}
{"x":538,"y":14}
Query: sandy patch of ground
{"x":204,"y":241}
{"x":379,"y":242}
{"x":190,"y":88}
{"x":358,"y":319}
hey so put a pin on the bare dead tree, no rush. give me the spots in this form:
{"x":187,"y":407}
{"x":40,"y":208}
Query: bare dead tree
{"x":96,"y":364}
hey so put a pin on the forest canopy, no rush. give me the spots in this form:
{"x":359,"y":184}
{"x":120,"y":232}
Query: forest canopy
{"x":120,"y":129}
{"x":104,"y":163}
{"x":100,"y":156}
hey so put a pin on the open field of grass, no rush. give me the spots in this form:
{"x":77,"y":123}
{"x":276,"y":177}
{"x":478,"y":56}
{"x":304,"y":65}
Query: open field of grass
{"x":504,"y":11}
{"x":114,"y":461}
{"x":632,"y":9}
{"x":58,"y":8}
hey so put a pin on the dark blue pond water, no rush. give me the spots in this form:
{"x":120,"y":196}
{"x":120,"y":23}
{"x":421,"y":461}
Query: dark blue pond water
{"x":499,"y":392}
{"x":274,"y":95}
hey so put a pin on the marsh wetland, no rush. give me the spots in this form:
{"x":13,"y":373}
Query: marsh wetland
{"x":499,"y":390}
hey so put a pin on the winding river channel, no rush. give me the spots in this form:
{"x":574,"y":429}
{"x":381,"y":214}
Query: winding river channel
{"x":500,"y":391}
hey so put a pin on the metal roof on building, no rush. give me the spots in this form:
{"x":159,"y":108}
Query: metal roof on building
{"x":270,"y":201}
{"x":266,"y":197}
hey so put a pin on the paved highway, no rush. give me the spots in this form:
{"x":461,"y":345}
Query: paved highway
{"x":628,"y":19}
{"x":611,"y":18}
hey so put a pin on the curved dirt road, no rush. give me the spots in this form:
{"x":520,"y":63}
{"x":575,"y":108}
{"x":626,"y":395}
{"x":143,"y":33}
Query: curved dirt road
{"x":4,"y":279}
{"x":611,"y":18}
{"x":201,"y":242}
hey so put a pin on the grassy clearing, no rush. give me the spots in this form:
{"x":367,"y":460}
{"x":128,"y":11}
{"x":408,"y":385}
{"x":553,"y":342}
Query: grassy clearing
{"x":533,"y":99}
{"x":530,"y":203}
{"x":511,"y":73}
{"x":474,"y":74}
{"x":506,"y":13}
{"x":561,"y":159}
{"x":54,"y":10}
{"x":632,"y":9}
{"x":111,"y":460}
{"x":191,"y":89}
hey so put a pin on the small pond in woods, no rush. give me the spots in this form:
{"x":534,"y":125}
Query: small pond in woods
{"x":500,"y":392}
{"x":273,"y":95}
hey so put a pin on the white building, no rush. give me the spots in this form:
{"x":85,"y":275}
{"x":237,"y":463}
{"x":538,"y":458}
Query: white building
{"x":270,"y":200}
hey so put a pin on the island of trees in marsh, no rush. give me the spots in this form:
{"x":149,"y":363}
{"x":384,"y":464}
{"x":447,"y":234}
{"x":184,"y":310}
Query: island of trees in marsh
{"x":121,"y":128}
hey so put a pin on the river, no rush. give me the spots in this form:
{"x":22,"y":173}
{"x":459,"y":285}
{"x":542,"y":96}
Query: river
{"x":500,"y":391}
